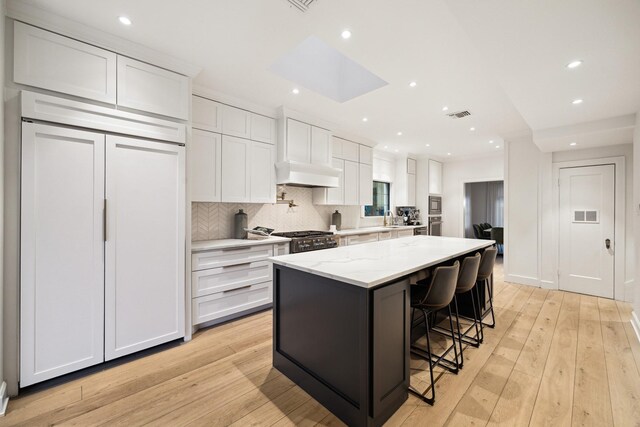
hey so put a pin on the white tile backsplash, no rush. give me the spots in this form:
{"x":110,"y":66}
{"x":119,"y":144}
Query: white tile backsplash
{"x":211,"y":221}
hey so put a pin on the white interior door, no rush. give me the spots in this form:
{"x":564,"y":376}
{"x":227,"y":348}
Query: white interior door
{"x":587,"y":217}
{"x":145,"y":267}
{"x":62,"y":251}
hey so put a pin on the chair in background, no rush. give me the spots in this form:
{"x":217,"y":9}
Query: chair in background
{"x":497,"y":234}
{"x":477,"y":232}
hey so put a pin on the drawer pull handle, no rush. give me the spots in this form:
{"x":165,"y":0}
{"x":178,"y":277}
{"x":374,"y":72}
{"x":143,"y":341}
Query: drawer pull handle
{"x":236,"y":289}
{"x":238,"y":248}
{"x":237,"y":265}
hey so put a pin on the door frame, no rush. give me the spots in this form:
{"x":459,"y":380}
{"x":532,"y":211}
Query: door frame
{"x":620,"y":244}
{"x":464,"y":198}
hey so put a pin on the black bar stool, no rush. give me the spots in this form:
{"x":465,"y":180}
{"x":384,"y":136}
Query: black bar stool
{"x":430,"y":299}
{"x":485,"y":276}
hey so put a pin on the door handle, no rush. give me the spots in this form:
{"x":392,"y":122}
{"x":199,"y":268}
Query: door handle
{"x":607,"y":243}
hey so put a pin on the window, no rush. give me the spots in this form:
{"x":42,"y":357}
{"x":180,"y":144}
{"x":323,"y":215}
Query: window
{"x":380,"y":200}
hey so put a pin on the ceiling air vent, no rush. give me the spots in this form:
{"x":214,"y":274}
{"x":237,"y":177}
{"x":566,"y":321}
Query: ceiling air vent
{"x":459,"y":114}
{"x":303,"y":5}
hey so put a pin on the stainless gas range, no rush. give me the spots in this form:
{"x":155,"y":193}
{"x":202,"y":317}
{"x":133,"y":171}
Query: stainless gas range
{"x":304,"y":241}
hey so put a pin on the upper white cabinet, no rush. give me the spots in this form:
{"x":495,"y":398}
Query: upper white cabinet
{"x":346,"y":150}
{"x":50,"y":61}
{"x":411,"y":189}
{"x":263,"y":187}
{"x":206,"y":166}
{"x":298,"y":141}
{"x":365,"y":155}
{"x":263,"y":129}
{"x":333,"y":195}
{"x":236,"y":122}
{"x":206,"y":114}
{"x":411,"y":166}
{"x":236,"y":170}
{"x":435,"y":177}
{"x":147,"y":88}
{"x":351,"y":187}
{"x":321,"y":146}
{"x":365,"y":177}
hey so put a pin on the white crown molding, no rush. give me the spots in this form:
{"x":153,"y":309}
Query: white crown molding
{"x":233,"y":101}
{"x":26,"y":13}
{"x":595,"y":126}
{"x":519,"y":136}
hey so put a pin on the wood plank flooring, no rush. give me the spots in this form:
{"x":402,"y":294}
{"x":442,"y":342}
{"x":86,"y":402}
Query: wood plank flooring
{"x":554,"y":358}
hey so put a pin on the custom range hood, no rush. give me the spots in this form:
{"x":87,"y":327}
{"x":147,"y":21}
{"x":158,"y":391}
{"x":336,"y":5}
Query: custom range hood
{"x":300,"y":174}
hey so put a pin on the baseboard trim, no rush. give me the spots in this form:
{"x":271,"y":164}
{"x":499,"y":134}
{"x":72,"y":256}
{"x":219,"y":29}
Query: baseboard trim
{"x":4,"y":399}
{"x":522,"y":280}
{"x":635,"y":322}
{"x":629,"y":290}
{"x":548,"y":284}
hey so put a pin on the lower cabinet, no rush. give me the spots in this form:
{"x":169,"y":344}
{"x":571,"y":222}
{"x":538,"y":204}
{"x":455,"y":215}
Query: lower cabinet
{"x":102,"y":248}
{"x":357,"y":239}
{"x":228,"y":282}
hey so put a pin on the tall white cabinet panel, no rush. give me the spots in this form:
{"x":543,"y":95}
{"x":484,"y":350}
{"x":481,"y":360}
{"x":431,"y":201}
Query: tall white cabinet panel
{"x":50,"y":61}
{"x":365,"y":155}
{"x":435,"y":177}
{"x":236,"y":169}
{"x":145,"y":243}
{"x":263,"y":129}
{"x":206,"y":114}
{"x":62,"y":252}
{"x":263,"y":188}
{"x":365,"y":179}
{"x":298,"y":142}
{"x":321,"y":146}
{"x":411,"y":190}
{"x":206,"y":166}
{"x":351,"y":189}
{"x":236,"y":122}
{"x":147,"y":88}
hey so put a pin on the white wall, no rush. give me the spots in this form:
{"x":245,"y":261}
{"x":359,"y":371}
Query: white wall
{"x":454,"y":176}
{"x":636,"y":216}
{"x":2,"y":65}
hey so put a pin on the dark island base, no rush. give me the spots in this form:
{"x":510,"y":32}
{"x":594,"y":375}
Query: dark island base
{"x":347,"y":346}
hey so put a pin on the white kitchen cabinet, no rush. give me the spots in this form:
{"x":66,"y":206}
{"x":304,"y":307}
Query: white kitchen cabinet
{"x":351,"y":188}
{"x":206,"y":166}
{"x":386,"y":235}
{"x":145,"y":243}
{"x":147,"y":88}
{"x":50,"y":61}
{"x":337,"y":147}
{"x":232,"y":302}
{"x":263,"y":180}
{"x":405,"y":233}
{"x":411,"y":166}
{"x":411,"y":189}
{"x":365,"y":184}
{"x":62,"y":252}
{"x":263,"y":129}
{"x":435,"y":177}
{"x":357,"y":239}
{"x":298,"y":141}
{"x":332,"y":195}
{"x":350,"y":151}
{"x":365,"y":154}
{"x":236,"y":122}
{"x":206,"y":114}
{"x":236,"y":170}
{"x":321,"y":146}
{"x":205,"y":282}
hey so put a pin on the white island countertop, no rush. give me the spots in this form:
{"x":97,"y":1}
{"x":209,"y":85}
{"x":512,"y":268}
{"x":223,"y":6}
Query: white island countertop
{"x":371,"y":264}
{"x":376,"y":229}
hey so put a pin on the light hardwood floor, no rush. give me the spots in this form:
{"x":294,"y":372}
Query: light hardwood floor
{"x":554,"y":358}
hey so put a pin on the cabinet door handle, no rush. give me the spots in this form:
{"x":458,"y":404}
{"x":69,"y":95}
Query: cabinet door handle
{"x":240,"y":248}
{"x":236,"y":289}
{"x":104,"y":220}
{"x":237,"y":265}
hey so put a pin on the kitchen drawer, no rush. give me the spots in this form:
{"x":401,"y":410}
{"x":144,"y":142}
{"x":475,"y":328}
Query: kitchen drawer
{"x":281,"y":249}
{"x":363,"y":238}
{"x":405,"y":233}
{"x":230,"y":256}
{"x":386,"y":235}
{"x":205,"y":282}
{"x":221,"y":304}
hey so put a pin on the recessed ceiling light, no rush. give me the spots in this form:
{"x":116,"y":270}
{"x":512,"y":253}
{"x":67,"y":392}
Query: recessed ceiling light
{"x":124,"y":20}
{"x":413,"y":84}
{"x":396,"y":150}
{"x":399,"y":133}
{"x":573,"y":144}
{"x":448,"y":154}
{"x":491,"y":142}
{"x":346,"y":34}
{"x":472,"y":129}
{"x":574,"y":64}
{"x":295,"y":91}
{"x":386,"y":146}
{"x":445,"y":108}
{"x":364,"y":119}
{"x":497,"y":146}
{"x":576,"y":101}
{"x":427,"y":145}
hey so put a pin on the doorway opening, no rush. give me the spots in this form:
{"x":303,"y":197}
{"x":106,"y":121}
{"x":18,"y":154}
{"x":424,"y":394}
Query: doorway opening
{"x":484,"y":211}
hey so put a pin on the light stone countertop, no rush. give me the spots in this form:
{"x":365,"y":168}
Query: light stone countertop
{"x":207,"y":245}
{"x":378,"y":229}
{"x":371,"y":264}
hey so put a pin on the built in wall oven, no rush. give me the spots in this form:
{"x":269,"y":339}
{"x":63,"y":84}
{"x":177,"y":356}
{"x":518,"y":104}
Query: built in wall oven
{"x":435,"y":226}
{"x":435,"y":205}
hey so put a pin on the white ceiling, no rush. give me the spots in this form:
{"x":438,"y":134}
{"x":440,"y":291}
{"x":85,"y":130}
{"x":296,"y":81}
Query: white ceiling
{"x":503,"y":60}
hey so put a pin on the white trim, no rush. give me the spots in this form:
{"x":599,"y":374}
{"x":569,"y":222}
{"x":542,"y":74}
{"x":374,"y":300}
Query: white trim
{"x":620,"y":216}
{"x":522,"y":280}
{"x":635,"y":322}
{"x":505,"y":255}
{"x":548,"y":284}
{"x":629,"y":290}
{"x":4,"y":399}
{"x":24,"y":12}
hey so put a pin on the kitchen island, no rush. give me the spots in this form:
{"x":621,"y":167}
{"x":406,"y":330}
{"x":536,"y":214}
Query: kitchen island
{"x":341,"y":327}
